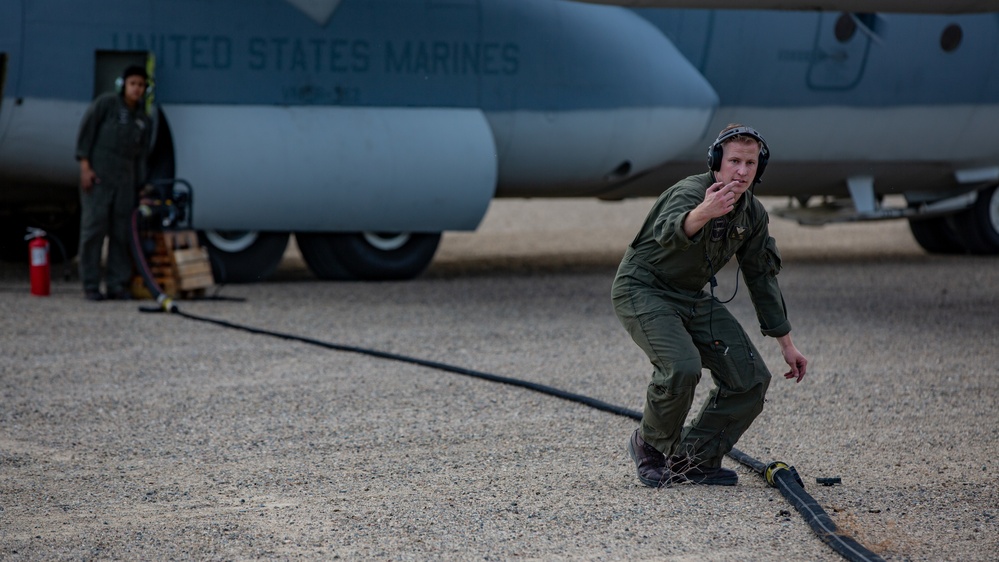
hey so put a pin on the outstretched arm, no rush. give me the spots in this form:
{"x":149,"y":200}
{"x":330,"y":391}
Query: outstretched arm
{"x":793,"y":358}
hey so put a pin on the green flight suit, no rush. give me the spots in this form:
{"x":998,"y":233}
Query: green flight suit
{"x":659,"y":295}
{"x":115,"y":139}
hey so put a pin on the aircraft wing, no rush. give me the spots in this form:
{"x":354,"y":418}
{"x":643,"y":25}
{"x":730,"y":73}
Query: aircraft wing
{"x":861,"y":6}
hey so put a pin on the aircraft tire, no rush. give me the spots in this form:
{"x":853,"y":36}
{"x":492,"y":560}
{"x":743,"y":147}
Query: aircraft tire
{"x":936,"y":236}
{"x":367,"y":256}
{"x":244,"y":256}
{"x":323,"y":262}
{"x":978,"y":226}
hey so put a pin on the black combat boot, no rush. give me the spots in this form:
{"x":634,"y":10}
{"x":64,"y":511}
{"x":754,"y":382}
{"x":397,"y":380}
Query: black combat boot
{"x":650,"y":463}
{"x":688,"y":470}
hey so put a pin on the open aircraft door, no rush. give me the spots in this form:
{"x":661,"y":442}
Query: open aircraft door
{"x":108,"y":66}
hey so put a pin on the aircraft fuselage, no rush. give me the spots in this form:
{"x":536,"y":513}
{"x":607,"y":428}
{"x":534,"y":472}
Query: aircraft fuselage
{"x":410,"y":116}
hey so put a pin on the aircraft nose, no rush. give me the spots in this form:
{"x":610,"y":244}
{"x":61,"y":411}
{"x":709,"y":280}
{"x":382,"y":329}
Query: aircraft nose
{"x":601,"y":95}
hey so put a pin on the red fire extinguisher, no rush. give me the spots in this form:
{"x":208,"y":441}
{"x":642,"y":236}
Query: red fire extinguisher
{"x":38,"y":259}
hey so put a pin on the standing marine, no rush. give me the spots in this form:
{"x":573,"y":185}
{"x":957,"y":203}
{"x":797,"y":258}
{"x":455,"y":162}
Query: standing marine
{"x":112,"y":147}
{"x":664,"y":296}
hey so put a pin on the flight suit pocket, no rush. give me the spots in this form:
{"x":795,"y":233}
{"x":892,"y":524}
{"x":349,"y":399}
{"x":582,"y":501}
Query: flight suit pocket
{"x":772,"y":257}
{"x":733,"y":363}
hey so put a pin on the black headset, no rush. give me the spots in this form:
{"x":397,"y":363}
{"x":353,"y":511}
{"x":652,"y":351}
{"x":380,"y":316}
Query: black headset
{"x":119,"y":82}
{"x":715,"y":155}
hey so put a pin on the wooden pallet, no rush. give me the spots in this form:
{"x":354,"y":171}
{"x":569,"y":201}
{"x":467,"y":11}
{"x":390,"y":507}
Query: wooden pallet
{"x":179,"y":265}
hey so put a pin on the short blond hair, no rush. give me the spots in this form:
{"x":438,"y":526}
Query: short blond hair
{"x":741,"y":139}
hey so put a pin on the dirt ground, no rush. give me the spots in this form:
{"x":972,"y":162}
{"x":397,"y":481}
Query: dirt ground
{"x":138,"y":436}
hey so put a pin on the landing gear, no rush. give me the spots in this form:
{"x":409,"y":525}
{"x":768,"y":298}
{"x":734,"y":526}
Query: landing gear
{"x":249,"y":256}
{"x":972,"y":230}
{"x":936,"y":236}
{"x":368,"y":256}
{"x":243,"y":256}
{"x":978,"y":226}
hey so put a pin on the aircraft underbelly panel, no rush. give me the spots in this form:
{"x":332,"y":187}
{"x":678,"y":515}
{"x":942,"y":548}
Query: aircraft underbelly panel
{"x":951,"y":133}
{"x":551,"y":154}
{"x":39,"y":141}
{"x":333,"y":168}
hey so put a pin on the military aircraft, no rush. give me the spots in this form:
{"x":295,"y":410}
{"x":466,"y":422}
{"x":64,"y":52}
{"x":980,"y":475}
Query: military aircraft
{"x":368,"y":127}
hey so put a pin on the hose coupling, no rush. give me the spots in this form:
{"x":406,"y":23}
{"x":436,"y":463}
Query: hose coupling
{"x":770,"y":473}
{"x":166,"y":303}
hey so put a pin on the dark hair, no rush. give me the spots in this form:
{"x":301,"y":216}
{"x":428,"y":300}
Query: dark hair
{"x":134,"y":70}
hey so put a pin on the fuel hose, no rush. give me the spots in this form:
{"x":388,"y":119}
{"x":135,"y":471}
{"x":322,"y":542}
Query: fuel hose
{"x":776,"y":474}
{"x":164,"y":301}
{"x":785,"y":478}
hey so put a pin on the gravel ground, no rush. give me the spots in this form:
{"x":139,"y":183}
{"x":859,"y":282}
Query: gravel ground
{"x":149,"y":436}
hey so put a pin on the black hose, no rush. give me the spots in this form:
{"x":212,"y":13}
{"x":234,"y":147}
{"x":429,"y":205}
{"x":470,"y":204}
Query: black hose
{"x":62,"y":253}
{"x":777,"y":474}
{"x":822,"y":525}
{"x":785,"y":478}
{"x":544,"y":389}
{"x":139,"y":257}
{"x":747,"y":460}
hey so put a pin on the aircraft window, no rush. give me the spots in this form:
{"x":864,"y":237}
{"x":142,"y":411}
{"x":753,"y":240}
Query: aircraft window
{"x":951,"y":37}
{"x":845,"y":29}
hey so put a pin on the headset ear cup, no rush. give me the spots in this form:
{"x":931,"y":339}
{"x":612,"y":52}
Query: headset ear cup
{"x":714,"y":157}
{"x":764,"y":159}
{"x":762,"y":165}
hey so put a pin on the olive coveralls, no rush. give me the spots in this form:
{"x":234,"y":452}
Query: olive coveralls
{"x":115,"y":139}
{"x":659,"y":296}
